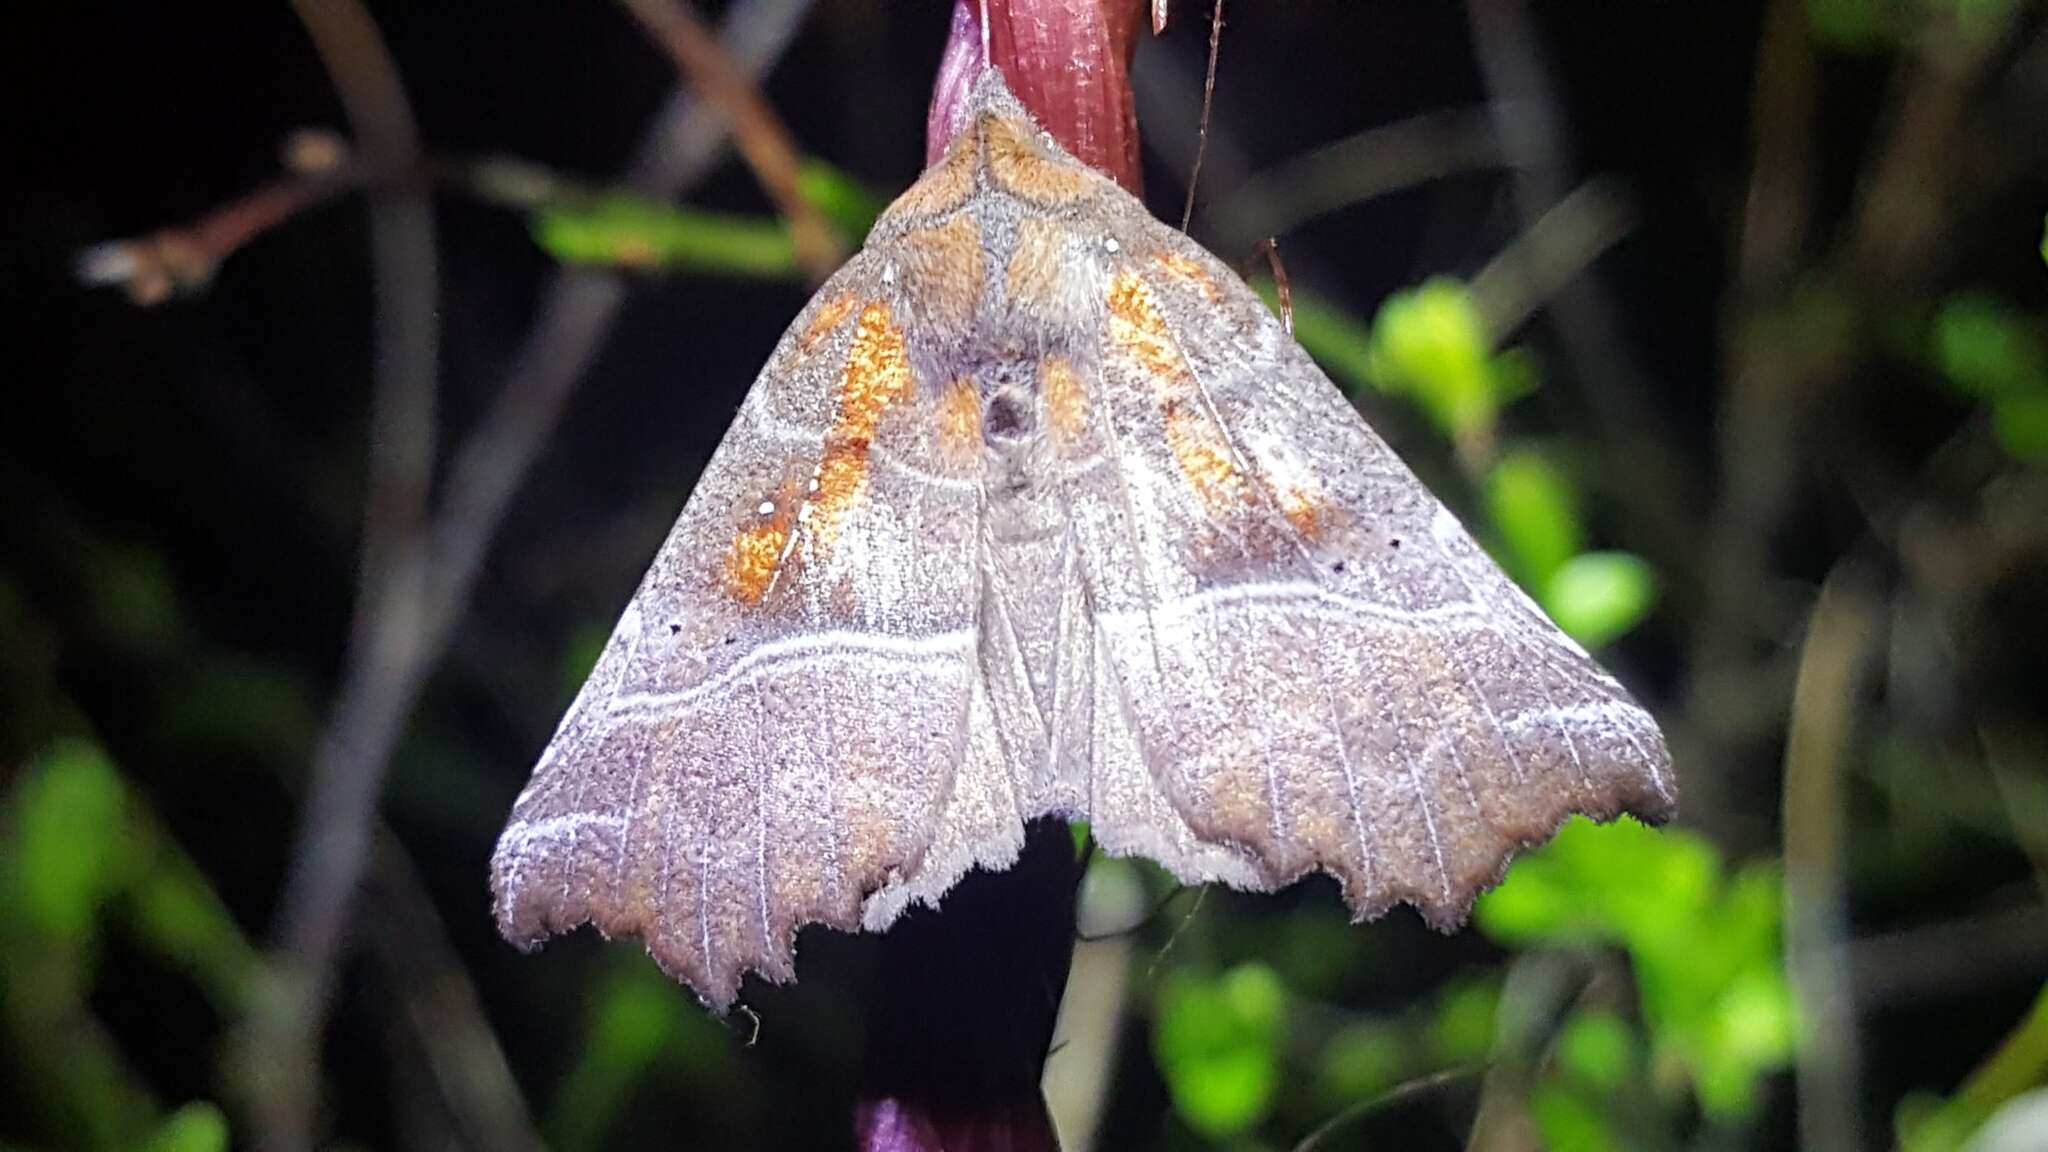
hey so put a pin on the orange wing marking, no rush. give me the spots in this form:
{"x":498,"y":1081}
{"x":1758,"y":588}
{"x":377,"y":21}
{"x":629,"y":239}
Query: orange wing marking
{"x":876,"y":377}
{"x":1187,"y":271}
{"x":1025,"y":170}
{"x":825,"y":322}
{"x":1066,"y":401}
{"x":944,"y":186}
{"x":758,"y":549}
{"x":960,"y":423}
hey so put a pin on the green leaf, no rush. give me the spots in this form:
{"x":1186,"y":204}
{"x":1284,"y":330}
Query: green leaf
{"x":1597,"y":597}
{"x":1751,"y":1031}
{"x":1338,"y":341}
{"x":2021,"y":425}
{"x":637,"y":1015}
{"x":1989,"y":350}
{"x":1598,"y":1050}
{"x":623,"y":231}
{"x":1569,"y":1122}
{"x":70,"y":846}
{"x":848,"y":204}
{"x":178,"y":915}
{"x":197,"y":1127}
{"x":1360,"y":1061}
{"x":579,"y":659}
{"x":1430,"y":344}
{"x":1535,"y":513}
{"x":1462,"y":1029}
{"x":1218,"y":1046}
{"x":1849,"y":25}
{"x":1705,"y":950}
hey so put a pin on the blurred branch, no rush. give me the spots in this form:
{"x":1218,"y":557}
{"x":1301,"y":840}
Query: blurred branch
{"x":2019,"y":1064}
{"x":1948,"y":958}
{"x":441,"y":1007}
{"x":1552,"y":253}
{"x":1754,"y":443}
{"x":348,"y":768}
{"x":1373,"y":163}
{"x":756,"y":129}
{"x":1832,"y":663}
{"x":1535,"y":999}
{"x":436,"y":565}
{"x":1528,"y":130}
{"x":1400,"y":1093}
{"x":155,"y":267}
{"x":2023,"y":794}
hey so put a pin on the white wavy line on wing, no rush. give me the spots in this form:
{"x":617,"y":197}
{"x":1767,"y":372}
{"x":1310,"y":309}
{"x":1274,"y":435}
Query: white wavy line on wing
{"x":523,"y":834}
{"x":1295,"y":592}
{"x":816,"y":645}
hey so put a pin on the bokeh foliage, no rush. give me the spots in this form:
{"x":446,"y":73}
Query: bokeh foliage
{"x":1625,"y":987}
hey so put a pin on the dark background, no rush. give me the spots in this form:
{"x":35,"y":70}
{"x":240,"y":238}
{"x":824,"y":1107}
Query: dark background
{"x":181,"y":493}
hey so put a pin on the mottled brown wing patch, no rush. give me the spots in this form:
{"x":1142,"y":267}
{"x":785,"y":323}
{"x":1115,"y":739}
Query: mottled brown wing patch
{"x":1066,"y":404}
{"x":1019,"y":165}
{"x":1188,"y":272}
{"x":943,"y":270}
{"x":825,"y":322}
{"x":959,"y":430}
{"x":944,"y":186}
{"x":1031,"y":281}
{"x":1138,"y":330}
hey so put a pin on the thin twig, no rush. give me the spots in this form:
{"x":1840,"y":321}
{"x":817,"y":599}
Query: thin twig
{"x":1528,"y":128}
{"x":1950,"y":957}
{"x":168,"y":261}
{"x":756,"y":129}
{"x":1535,"y":999}
{"x":1187,"y":214}
{"x":380,"y":688}
{"x":1832,"y":665}
{"x":1268,"y":251}
{"x":1399,"y":1094}
{"x":1373,"y":163}
{"x":440,"y":1003}
{"x":1755,"y":427}
{"x":348,"y":768}
{"x":1549,"y":255}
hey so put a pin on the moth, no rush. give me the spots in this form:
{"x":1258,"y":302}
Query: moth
{"x":1036,"y":510}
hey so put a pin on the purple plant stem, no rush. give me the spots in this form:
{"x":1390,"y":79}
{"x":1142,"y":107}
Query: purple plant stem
{"x":958,"y":1037}
{"x":1068,"y":61}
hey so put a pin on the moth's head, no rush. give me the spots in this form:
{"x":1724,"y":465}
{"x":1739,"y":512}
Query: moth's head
{"x":991,"y":96}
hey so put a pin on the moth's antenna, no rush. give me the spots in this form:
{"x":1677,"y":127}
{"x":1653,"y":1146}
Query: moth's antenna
{"x":1187,"y":215}
{"x":986,"y":60}
{"x":1270,"y":249}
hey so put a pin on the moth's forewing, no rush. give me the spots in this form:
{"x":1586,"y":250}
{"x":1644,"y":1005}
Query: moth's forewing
{"x":788,"y":720}
{"x":1036,"y":510}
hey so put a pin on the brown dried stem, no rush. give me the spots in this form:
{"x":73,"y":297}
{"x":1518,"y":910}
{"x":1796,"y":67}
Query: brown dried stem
{"x":326,"y":864}
{"x":756,"y":129}
{"x":437,"y":563}
{"x":1839,"y":639}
